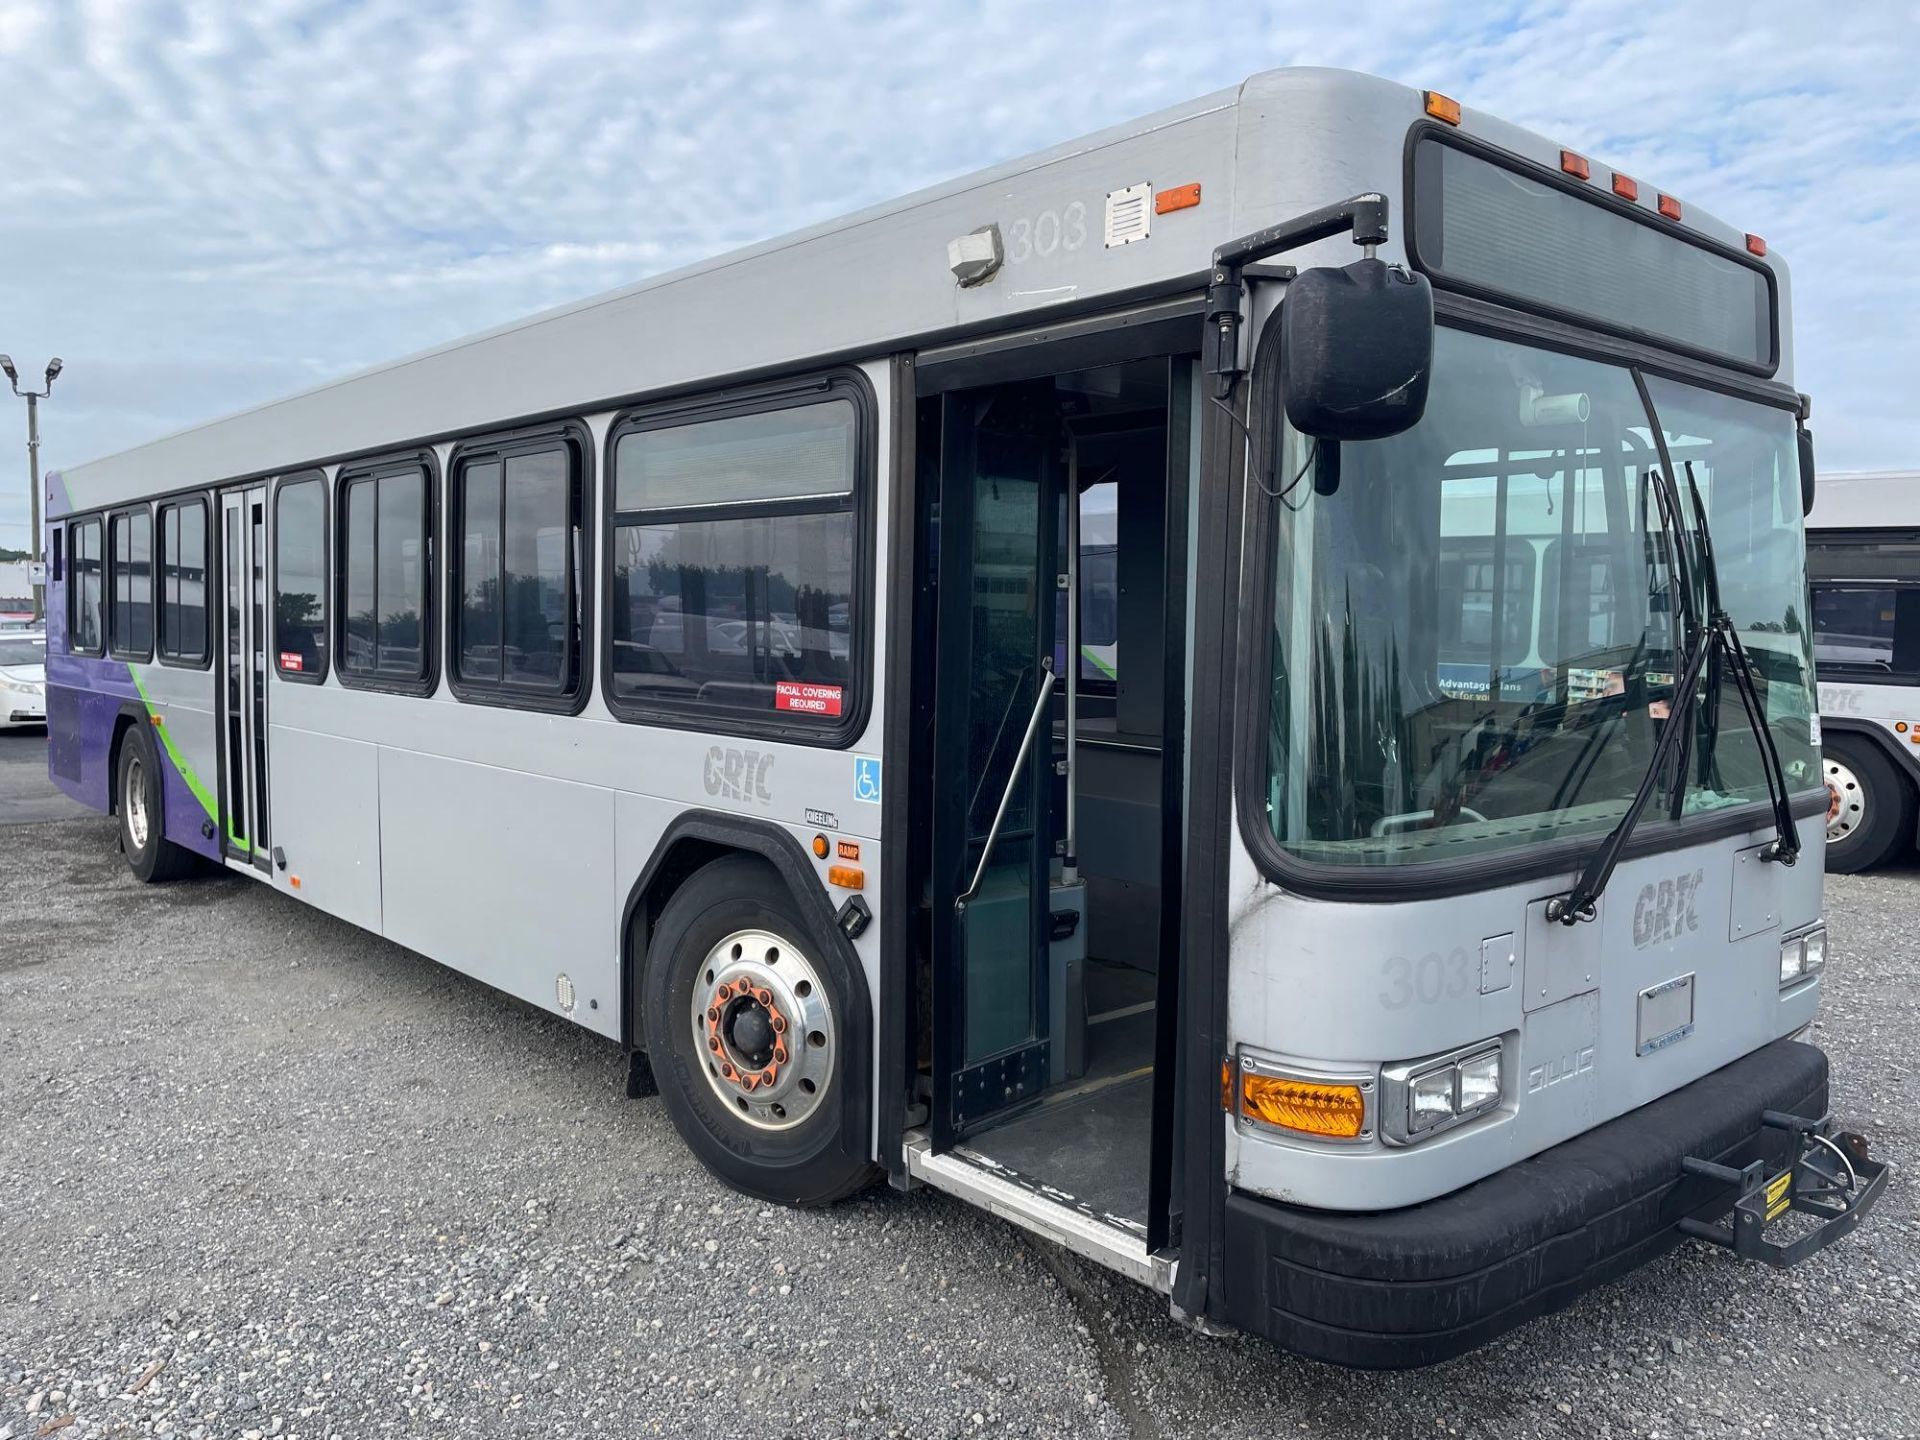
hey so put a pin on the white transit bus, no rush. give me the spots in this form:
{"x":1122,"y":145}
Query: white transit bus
{"x":1863,"y":570}
{"x":1385,"y":929}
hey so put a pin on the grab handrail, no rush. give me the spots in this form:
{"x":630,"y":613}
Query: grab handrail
{"x":1013,"y":779}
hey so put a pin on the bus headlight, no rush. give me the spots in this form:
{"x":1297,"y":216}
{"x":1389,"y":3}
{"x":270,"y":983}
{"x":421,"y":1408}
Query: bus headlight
{"x":1803,"y":956}
{"x":1424,"y":1097}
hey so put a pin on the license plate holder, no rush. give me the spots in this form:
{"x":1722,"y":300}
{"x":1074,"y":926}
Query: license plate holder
{"x":1665,"y":1014}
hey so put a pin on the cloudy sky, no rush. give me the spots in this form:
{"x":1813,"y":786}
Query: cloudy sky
{"x":207,"y":204}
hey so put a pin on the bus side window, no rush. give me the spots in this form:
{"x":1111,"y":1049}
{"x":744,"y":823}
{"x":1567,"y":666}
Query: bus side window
{"x":183,"y":582}
{"x":85,"y":632}
{"x":734,"y":566}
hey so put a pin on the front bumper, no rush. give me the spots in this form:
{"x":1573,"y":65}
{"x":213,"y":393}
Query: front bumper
{"x":1402,"y":1288}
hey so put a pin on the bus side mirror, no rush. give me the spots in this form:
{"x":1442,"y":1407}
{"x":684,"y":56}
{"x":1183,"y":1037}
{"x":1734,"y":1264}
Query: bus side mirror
{"x":1805,"y":437}
{"x":1356,"y":350}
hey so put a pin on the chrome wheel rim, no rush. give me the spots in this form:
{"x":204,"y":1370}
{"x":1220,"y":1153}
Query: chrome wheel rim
{"x":1846,"y":802}
{"x":134,"y":802}
{"x":764,"y":1029}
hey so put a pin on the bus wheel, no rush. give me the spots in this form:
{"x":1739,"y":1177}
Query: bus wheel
{"x":150,"y":855}
{"x":1869,"y":807}
{"x":748,"y":1027}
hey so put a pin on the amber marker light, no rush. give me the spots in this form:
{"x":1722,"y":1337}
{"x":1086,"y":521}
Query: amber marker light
{"x":1442,"y":107}
{"x":821,"y":847}
{"x":847,"y":877}
{"x":1180,"y":197}
{"x":1330,"y":1109}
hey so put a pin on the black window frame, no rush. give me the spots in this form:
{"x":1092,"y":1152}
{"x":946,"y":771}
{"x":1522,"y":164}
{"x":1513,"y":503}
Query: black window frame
{"x":202,"y":658}
{"x":1906,"y":597}
{"x":110,"y":577}
{"x":1595,"y":195}
{"x":571,"y":435}
{"x":427,"y":463}
{"x":325,"y":648}
{"x":75,"y":524}
{"x":840,"y":383}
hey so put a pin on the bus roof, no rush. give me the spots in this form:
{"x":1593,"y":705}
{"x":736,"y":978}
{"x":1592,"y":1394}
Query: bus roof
{"x":869,"y":284}
{"x":1866,"y":500}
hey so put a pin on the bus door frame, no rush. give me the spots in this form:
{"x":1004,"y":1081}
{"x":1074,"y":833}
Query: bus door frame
{"x":241,"y":521}
{"x":1163,"y":328}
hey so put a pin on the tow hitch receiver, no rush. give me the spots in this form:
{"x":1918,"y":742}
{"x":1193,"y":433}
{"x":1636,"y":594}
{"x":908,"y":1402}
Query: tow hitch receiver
{"x":1830,"y":1177}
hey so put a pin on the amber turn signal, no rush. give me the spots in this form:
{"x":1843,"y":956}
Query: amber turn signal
{"x":1441,"y":107}
{"x":847,"y":877}
{"x":1331,"y":1109}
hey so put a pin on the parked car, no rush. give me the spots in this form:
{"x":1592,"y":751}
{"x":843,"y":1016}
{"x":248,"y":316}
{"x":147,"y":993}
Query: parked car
{"x":23,"y":679}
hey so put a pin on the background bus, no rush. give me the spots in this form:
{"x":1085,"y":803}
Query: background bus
{"x":1863,"y":570}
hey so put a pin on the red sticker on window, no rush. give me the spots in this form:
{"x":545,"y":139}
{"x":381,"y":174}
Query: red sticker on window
{"x":806,"y":699}
{"x":290,"y":660}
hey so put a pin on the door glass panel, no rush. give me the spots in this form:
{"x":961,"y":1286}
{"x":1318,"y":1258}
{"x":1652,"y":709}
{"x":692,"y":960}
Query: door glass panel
{"x":1006,"y":637}
{"x":235,"y":661}
{"x":257,"y":650}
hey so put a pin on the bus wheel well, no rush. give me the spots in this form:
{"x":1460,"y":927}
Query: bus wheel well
{"x":691,"y":843}
{"x":121,"y":725}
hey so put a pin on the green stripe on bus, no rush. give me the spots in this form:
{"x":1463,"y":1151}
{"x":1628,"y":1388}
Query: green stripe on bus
{"x":194,"y":783}
{"x":1099,"y":664}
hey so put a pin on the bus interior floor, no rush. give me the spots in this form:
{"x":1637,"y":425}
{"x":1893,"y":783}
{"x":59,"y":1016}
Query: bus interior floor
{"x":1091,"y":1138}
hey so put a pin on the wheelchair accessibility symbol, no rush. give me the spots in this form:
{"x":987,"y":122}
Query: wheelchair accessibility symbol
{"x":866,"y":778}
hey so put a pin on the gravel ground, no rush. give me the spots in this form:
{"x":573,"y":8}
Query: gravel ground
{"x":262,"y":1174}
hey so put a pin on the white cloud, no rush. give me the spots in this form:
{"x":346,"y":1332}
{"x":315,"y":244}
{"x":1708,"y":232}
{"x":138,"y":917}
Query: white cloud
{"x":209,"y":202}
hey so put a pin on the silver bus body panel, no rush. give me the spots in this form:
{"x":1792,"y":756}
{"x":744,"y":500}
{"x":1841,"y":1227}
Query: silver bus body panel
{"x":1337,"y":987}
{"x":505,"y":843}
{"x":1866,"y":500}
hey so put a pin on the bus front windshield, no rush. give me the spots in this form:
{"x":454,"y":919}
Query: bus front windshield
{"x":1477,"y":625}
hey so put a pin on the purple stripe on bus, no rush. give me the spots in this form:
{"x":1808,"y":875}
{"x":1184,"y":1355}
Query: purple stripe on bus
{"x":79,"y":749}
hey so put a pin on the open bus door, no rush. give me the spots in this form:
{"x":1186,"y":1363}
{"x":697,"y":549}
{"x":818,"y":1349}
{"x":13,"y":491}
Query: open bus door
{"x":1055,"y":760}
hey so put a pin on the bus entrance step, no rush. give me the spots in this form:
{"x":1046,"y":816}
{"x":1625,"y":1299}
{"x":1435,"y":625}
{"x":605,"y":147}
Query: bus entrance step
{"x":1830,"y":1178}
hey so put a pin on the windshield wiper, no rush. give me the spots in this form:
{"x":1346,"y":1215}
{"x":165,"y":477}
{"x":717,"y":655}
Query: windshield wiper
{"x":1580,"y":902}
{"x":1786,"y":842}
{"x":1719,"y":637}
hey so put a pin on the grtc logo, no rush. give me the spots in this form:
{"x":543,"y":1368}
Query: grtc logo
{"x":737,"y":775}
{"x":1666,"y":911}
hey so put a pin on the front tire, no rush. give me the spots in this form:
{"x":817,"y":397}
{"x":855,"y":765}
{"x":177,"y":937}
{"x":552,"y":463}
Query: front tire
{"x":138,"y":797}
{"x":755,"y":1035}
{"x":1869,"y":805}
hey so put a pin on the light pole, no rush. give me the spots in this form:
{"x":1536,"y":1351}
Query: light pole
{"x":33,"y":399}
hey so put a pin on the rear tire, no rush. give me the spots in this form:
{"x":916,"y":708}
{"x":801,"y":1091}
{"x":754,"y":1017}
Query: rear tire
{"x":1870,"y":805}
{"x":754,"y":1035}
{"x":138,"y":797}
